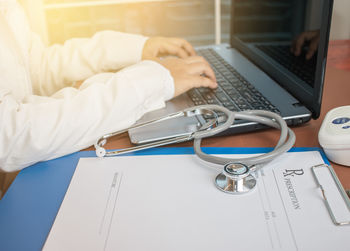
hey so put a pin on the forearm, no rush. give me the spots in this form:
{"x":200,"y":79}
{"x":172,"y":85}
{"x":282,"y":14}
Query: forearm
{"x":43,"y":128}
{"x":57,"y":66}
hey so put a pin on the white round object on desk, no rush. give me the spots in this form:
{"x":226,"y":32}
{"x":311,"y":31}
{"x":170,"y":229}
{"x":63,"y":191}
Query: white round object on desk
{"x":334,"y":135}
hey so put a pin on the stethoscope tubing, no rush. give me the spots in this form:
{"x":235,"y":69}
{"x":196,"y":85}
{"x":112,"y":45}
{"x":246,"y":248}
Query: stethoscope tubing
{"x":214,"y":126}
{"x":285,"y":142}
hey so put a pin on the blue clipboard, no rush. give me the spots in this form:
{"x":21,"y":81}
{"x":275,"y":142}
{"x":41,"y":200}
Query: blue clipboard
{"x":30,"y":206}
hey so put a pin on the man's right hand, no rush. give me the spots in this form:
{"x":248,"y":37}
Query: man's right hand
{"x":190,"y":72}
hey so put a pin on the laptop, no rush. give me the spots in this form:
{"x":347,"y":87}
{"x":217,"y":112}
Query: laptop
{"x":257,"y":70}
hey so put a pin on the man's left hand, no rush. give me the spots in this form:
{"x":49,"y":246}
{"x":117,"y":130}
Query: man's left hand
{"x":156,"y":47}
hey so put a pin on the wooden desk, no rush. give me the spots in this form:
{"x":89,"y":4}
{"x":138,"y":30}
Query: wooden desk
{"x":336,"y":93}
{"x":339,"y":54}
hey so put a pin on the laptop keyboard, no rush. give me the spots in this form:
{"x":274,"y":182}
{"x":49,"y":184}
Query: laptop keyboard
{"x":234,"y":91}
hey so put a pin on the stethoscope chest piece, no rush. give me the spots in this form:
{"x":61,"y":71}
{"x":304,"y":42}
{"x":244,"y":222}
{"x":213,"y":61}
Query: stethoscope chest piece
{"x":235,"y":179}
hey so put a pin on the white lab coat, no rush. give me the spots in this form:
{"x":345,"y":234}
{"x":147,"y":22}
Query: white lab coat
{"x":42,"y":116}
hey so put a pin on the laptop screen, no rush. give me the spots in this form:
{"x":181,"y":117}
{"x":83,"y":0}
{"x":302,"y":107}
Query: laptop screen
{"x":288,"y":39}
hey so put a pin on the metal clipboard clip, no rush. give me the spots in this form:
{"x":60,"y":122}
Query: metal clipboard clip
{"x":340,"y":190}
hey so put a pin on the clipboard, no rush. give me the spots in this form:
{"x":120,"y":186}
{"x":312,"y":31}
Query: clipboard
{"x":32,"y":202}
{"x":169,"y":202}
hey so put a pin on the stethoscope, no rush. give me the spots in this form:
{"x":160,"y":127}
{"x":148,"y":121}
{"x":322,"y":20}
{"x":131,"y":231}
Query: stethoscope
{"x":237,"y":176}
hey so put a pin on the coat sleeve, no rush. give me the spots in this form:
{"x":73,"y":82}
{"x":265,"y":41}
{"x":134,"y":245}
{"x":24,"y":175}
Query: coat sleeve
{"x":42,"y":128}
{"x":57,"y":66}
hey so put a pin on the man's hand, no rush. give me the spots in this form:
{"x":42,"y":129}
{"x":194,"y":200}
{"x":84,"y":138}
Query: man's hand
{"x":190,"y":72}
{"x":156,"y":47}
{"x":313,"y":37}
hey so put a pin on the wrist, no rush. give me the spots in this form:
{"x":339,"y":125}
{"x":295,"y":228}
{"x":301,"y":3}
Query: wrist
{"x":168,"y":81}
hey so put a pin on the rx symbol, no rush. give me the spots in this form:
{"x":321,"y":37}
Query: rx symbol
{"x":292,"y":172}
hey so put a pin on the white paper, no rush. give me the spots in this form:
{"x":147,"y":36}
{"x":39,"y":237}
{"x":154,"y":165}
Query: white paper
{"x":170,"y":202}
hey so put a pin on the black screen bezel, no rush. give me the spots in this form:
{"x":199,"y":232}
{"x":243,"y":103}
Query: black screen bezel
{"x":311,"y":100}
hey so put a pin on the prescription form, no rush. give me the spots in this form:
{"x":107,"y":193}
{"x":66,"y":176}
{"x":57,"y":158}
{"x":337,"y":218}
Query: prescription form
{"x":170,"y":202}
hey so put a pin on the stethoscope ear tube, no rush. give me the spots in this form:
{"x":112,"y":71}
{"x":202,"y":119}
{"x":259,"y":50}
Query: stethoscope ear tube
{"x":189,"y":112}
{"x":286,"y":140}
